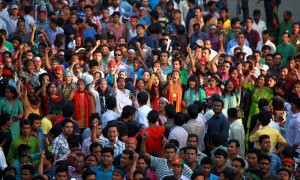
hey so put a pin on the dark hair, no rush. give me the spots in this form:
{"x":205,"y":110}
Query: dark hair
{"x":262,"y":102}
{"x":179,"y":119}
{"x":87,"y":173}
{"x":232,"y":113}
{"x":139,"y":171}
{"x":243,"y":164}
{"x":219,"y":100}
{"x":255,"y":151}
{"x":68,"y":110}
{"x":264,"y":157}
{"x":4,"y":118}
{"x":236,"y":142}
{"x":142,"y":97}
{"x":73,"y":141}
{"x":262,"y":137}
{"x":128,"y":152}
{"x":28,"y":167}
{"x":206,"y":160}
{"x":65,"y":121}
{"x":221,"y":152}
{"x":191,"y":147}
{"x":127,"y":111}
{"x":33,"y":117}
{"x":61,"y":168}
{"x":296,"y":101}
{"x":192,"y":111}
{"x":197,"y":174}
{"x":264,"y":118}
{"x":38,"y":177}
{"x":10,"y":168}
{"x":92,"y":117}
{"x":234,"y":20}
{"x":93,"y":63}
{"x":193,"y":136}
{"x":2,"y":136}
{"x":207,"y":17}
{"x":227,"y":174}
{"x":153,"y":116}
{"x":142,"y":156}
{"x":170,"y":111}
{"x":286,"y":170}
{"x":170,"y":146}
{"x":94,"y":145}
{"x":111,"y":102}
{"x":154,"y":14}
{"x":24,"y":123}
{"x":107,"y":150}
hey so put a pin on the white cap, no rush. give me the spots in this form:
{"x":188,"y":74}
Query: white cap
{"x":264,"y":67}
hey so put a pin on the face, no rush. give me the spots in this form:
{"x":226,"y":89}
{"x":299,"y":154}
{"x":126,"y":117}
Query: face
{"x":107,"y":159}
{"x":220,"y":160}
{"x":103,"y":85}
{"x":213,"y":83}
{"x":197,"y":13}
{"x":269,"y":60}
{"x":141,"y":164}
{"x":296,"y":29}
{"x":288,"y":166}
{"x":170,"y":154}
{"x":121,"y":83}
{"x":283,"y":175}
{"x":118,"y":56}
{"x":25,"y":130}
{"x":80,"y":86}
{"x":112,"y":133}
{"x":79,"y":163}
{"x":161,"y":105}
{"x":176,"y":65}
{"x":124,"y":160}
{"x":236,"y":167}
{"x":36,"y":125}
{"x":91,"y":162}
{"x":266,"y":144}
{"x":21,"y":26}
{"x":297,"y":173}
{"x":8,"y":94}
{"x":241,"y":39}
{"x":130,"y":145}
{"x":52,"y":89}
{"x":277,"y":60}
{"x":260,"y":82}
{"x":165,"y":40}
{"x":30,"y":91}
{"x":97,"y":151}
{"x":264,"y":166}
{"x":232,"y":149}
{"x":192,"y":84}
{"x":175,"y":76}
{"x":206,"y":169}
{"x":284,"y":73}
{"x":252,"y":160}
{"x":25,"y":175}
{"x":62,"y":176}
{"x":155,"y":81}
{"x":217,"y":107}
{"x":192,"y":141}
{"x":285,"y":38}
{"x":68,"y":129}
{"x":164,"y":58}
{"x":271,"y":82}
{"x":190,"y":155}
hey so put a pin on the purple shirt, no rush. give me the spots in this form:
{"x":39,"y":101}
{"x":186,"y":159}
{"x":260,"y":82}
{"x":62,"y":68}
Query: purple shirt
{"x":253,"y":38}
{"x":215,"y":41}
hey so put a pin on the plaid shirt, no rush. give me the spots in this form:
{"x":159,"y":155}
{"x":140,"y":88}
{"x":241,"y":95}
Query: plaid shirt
{"x":60,"y":146}
{"x":276,"y":163}
{"x":118,"y":148}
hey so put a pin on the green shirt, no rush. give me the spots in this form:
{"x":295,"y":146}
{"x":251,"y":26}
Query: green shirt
{"x":13,"y":155}
{"x":184,"y":76}
{"x":9,"y":45}
{"x":286,"y":50}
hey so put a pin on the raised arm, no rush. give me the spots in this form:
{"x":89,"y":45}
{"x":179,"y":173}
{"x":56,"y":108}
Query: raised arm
{"x":47,"y":59}
{"x":213,"y":66}
{"x":143,"y":145}
{"x":138,"y":45}
{"x":90,"y":53}
{"x":165,"y":91}
{"x":33,"y":35}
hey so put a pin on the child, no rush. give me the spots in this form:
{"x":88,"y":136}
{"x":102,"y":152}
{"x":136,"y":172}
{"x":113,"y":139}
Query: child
{"x":111,"y":72}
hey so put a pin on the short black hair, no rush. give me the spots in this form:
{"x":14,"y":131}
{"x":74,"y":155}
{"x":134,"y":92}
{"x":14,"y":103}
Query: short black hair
{"x":192,"y":111}
{"x":128,"y":111}
{"x":170,"y":146}
{"x":65,"y":121}
{"x":142,"y":156}
{"x":236,"y":142}
{"x":33,"y":117}
{"x":264,"y":157}
{"x":128,"y":152}
{"x":111,"y":102}
{"x":94,"y":145}
{"x":139,"y":171}
{"x":61,"y":168}
{"x":232,"y":113}
{"x":73,"y":140}
{"x":207,"y":17}
{"x":179,"y":119}
{"x":262,"y":137}
{"x":142,"y":97}
{"x":197,"y":174}
{"x":93,"y":63}
{"x":154,"y":14}
{"x":153,"y":116}
{"x":243,"y":164}
{"x":107,"y":150}
{"x":68,"y":110}
{"x":87,"y":173}
{"x":193,"y":136}
{"x":24,"y":123}
{"x":4,"y":118}
{"x":221,"y":152}
{"x":206,"y":160}
{"x":170,"y":111}
{"x":29,"y":167}
{"x":255,"y":151}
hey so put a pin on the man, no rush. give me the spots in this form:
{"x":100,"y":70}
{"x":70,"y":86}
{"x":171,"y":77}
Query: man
{"x":116,"y":7}
{"x":233,"y":151}
{"x":241,"y":43}
{"x":221,"y":157}
{"x":212,"y":7}
{"x":163,"y":165}
{"x":266,"y":41}
{"x":144,"y":109}
{"x":131,"y":29}
{"x":110,"y":114}
{"x":89,"y":15}
{"x":61,"y":172}
{"x":178,"y":132}
{"x":106,"y":168}
{"x":274,"y":70}
{"x":233,"y":42}
{"x":214,"y":38}
{"x":258,"y":24}
{"x":238,"y":168}
{"x":36,"y":131}
{"x":60,"y":147}
{"x":265,"y":167}
{"x":253,"y":156}
{"x":113,"y":141}
{"x":25,"y":138}
{"x":190,"y":14}
{"x":116,"y":28}
{"x":251,"y":34}
{"x":126,"y":160}
{"x":285,"y":26}
{"x":11,"y":20}
{"x":104,"y":20}
{"x":293,"y":131}
{"x":42,"y":22}
{"x":275,"y":136}
{"x":140,"y":31}
{"x":155,"y":24}
{"x":95,"y":149}
{"x":193,"y":140}
{"x":53,"y":30}
{"x":119,"y":174}
{"x":177,"y":167}
{"x":191,"y":155}
{"x":286,"y":48}
{"x":264,"y":142}
{"x":20,"y":31}
{"x":143,"y":18}
{"x":236,"y":129}
{"x":218,"y":123}
{"x":295,"y":37}
{"x":235,"y":23}
{"x":206,"y":167}
{"x":289,"y":164}
{"x":71,"y":29}
{"x":193,"y":126}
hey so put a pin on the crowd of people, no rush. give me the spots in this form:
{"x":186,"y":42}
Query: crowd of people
{"x":144,"y":89}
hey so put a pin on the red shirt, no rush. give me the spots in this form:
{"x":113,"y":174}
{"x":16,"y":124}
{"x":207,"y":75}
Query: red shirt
{"x":154,"y":141}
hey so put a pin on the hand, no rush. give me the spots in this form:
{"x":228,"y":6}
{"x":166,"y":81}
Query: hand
{"x":221,"y":51}
{"x":164,"y":140}
{"x":42,"y":30}
{"x":145,"y":135}
{"x":136,"y":156}
{"x":171,"y":82}
{"x":257,"y":123}
{"x":221,"y":38}
{"x":135,"y":76}
{"x":20,"y":116}
{"x":95,"y":122}
{"x":138,"y":45}
{"x":34,"y":27}
{"x":98,"y":42}
{"x":72,"y":36}
{"x":47,"y":50}
{"x":188,"y":49}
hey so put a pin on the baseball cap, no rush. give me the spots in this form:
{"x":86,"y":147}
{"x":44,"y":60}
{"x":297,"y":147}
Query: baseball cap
{"x":264,"y":67}
{"x":120,"y":171}
{"x":14,"y":7}
{"x":212,"y":26}
{"x":199,"y":42}
{"x":36,"y":58}
{"x":142,"y":8}
{"x":178,"y":161}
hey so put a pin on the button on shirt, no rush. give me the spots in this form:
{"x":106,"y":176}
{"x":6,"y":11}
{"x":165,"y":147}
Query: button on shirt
{"x":60,"y":146}
{"x":218,"y":124}
{"x":118,"y":148}
{"x":293,"y":131}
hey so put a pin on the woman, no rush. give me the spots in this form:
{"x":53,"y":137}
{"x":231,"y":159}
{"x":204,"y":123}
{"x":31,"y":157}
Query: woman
{"x":12,"y":105}
{"x":100,"y":92}
{"x":68,"y":86}
{"x":138,"y":86}
{"x":44,"y":78}
{"x":271,"y":81}
{"x":231,"y":96}
{"x":50,"y":99}
{"x":214,"y":86}
{"x":193,"y":92}
{"x":258,"y":91}
{"x":148,"y":79}
{"x":162,"y":102}
{"x":155,"y":92}
{"x":174,"y":91}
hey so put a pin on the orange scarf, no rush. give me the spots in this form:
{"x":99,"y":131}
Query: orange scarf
{"x":175,"y":95}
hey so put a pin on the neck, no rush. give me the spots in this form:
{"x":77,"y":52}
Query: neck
{"x":177,"y":176}
{"x":238,"y":177}
{"x":265,"y":152}
{"x":152,"y":125}
{"x":26,"y":138}
{"x":4,"y":128}
{"x":231,"y":120}
{"x":106,"y":167}
{"x":266,"y":175}
{"x":192,"y":165}
{"x":232,"y":156}
{"x":221,"y":167}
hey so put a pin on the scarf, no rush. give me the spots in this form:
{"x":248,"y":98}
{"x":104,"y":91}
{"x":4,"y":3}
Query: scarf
{"x":77,"y":106}
{"x":178,"y":93}
{"x":155,"y":98}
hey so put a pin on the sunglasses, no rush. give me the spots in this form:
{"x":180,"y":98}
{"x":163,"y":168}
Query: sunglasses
{"x":118,"y":54}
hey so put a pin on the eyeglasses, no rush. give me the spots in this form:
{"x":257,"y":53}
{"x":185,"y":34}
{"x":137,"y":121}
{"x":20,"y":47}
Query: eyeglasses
{"x":118,"y":54}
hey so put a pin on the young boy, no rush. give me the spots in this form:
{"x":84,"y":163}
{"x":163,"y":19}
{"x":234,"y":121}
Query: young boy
{"x":111,"y":72}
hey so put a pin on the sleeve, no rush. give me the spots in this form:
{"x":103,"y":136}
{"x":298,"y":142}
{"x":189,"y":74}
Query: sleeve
{"x":3,"y":164}
{"x":248,"y":87}
{"x":155,"y":161}
{"x":20,"y":107}
{"x":281,"y":140}
{"x":254,"y":137}
{"x":55,"y":147}
{"x":187,"y":171}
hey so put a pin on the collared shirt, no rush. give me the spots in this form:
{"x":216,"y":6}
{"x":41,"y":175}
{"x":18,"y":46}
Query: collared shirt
{"x":180,"y":134}
{"x":60,"y":146}
{"x":29,"y":22}
{"x":269,"y":43}
{"x":286,"y":50}
{"x":52,"y":33}
{"x":25,"y":37}
{"x":195,"y":37}
{"x":293,"y":131}
{"x":161,"y":166}
{"x":167,"y":70}
{"x":215,"y":16}
{"x":276,"y":163}
{"x":73,"y":174}
{"x":245,"y":49}
{"x":103,"y":25}
{"x":118,"y":148}
{"x":195,"y":127}
{"x":215,"y":41}
{"x":259,"y":27}
{"x":232,"y":43}
{"x":275,"y":136}
{"x":101,"y":174}
{"x":141,"y":116}
{"x":192,"y":22}
{"x":109,"y":115}
{"x":253,"y":38}
{"x":144,"y":20}
{"x":236,"y":131}
{"x":218,"y":124}
{"x":118,"y":31}
{"x":45,"y":25}
{"x":200,"y":156}
{"x":88,"y":141}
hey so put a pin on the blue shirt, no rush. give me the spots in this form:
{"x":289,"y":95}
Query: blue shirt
{"x":232,"y":43}
{"x":195,"y":37}
{"x":189,"y":16}
{"x":81,"y":13}
{"x":100,"y":174}
{"x":149,"y":42}
{"x":218,"y":124}
{"x":89,"y":32}
{"x":167,"y":71}
{"x":139,"y":73}
{"x":276,"y":163}
{"x":144,"y":20}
